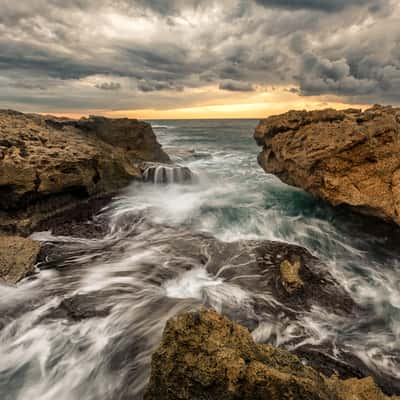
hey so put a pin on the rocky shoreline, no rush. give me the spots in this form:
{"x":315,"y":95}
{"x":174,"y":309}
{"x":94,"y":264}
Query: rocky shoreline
{"x":58,"y":174}
{"x":348,"y":157}
{"x":48,"y":164}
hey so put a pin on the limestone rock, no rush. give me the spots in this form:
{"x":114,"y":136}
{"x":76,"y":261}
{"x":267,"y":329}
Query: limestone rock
{"x":17,"y":258}
{"x":346,"y":157}
{"x":205,"y":356}
{"x":290,"y":277}
{"x":48,"y":164}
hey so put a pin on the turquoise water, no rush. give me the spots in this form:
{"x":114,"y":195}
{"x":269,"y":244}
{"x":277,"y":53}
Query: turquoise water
{"x":139,"y":273}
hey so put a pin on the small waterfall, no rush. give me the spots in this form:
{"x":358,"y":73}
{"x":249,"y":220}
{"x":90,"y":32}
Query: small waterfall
{"x":168,"y":174}
{"x":159,"y":175}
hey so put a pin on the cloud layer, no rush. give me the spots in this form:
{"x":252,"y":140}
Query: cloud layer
{"x":56,"y":55}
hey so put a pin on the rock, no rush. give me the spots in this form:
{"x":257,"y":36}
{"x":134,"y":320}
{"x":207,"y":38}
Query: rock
{"x":259,"y":263}
{"x":345,"y":157}
{"x":80,"y":221}
{"x":203,"y":355}
{"x":79,"y":307}
{"x":17,"y":258}
{"x":160,"y":173}
{"x":48,"y":164}
{"x":290,"y":277}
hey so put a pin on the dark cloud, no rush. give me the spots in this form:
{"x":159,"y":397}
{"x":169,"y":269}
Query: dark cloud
{"x":293,"y":90}
{"x":321,"y":75}
{"x":154,"y":86}
{"x":320,"y":5}
{"x":147,"y":51}
{"x":108,"y":86}
{"x":235,"y":86}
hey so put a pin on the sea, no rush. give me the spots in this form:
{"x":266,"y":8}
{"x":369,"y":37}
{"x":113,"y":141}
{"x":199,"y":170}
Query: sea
{"x":138,"y":277}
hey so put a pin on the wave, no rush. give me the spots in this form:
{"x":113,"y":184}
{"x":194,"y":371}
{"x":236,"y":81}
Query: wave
{"x":155,"y":126}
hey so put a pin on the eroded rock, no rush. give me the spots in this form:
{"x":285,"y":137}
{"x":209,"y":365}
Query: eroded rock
{"x":345,"y":157}
{"x":203,"y":355}
{"x":290,"y":277}
{"x":17,"y":258}
{"x":48,"y":164}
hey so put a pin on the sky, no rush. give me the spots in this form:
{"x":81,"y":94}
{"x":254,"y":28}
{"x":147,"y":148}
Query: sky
{"x":197,"y":58}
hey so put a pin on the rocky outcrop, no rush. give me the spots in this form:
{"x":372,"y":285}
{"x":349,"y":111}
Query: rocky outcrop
{"x":205,"y":356}
{"x":17,"y":258}
{"x":48,"y":164}
{"x":345,"y":157}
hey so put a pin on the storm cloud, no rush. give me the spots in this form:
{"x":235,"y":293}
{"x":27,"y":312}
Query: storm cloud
{"x":56,"y":55}
{"x":236,"y":86}
{"x":108,"y":86}
{"x":320,"y":5}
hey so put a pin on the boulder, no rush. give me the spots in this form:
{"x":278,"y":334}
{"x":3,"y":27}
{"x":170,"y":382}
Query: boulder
{"x":48,"y":164}
{"x":203,"y":355}
{"x":345,"y":157}
{"x":17,"y":258}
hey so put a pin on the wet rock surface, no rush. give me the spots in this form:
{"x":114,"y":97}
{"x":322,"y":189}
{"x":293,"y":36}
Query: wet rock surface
{"x":257,"y":265}
{"x":17,"y":258}
{"x":79,"y":308}
{"x":203,"y":355}
{"x":83,"y":220}
{"x":164,"y":174}
{"x":345,"y":157}
{"x":49,"y":165}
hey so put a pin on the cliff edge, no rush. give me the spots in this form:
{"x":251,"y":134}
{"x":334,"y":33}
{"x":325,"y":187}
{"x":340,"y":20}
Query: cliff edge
{"x":347,"y":157}
{"x":48,"y":164}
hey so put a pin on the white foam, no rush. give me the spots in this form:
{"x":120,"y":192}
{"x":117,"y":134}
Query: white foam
{"x":191,"y":284}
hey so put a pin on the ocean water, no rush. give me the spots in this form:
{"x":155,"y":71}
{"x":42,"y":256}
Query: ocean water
{"x":153,"y":264}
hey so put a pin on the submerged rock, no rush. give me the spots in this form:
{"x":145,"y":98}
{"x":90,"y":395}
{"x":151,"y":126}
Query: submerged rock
{"x":80,"y":307}
{"x":48,"y":164}
{"x":345,"y":157}
{"x":17,"y":258}
{"x":203,"y":355}
{"x":256,"y":266}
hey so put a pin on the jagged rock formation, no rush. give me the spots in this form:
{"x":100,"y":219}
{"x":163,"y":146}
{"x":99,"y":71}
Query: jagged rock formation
{"x":345,"y":157}
{"x":17,"y":258}
{"x":49,"y":164}
{"x":205,"y":356}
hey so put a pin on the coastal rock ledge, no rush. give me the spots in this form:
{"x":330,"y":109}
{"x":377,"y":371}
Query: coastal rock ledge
{"x":205,"y":356}
{"x":346,"y":157}
{"x":50,"y":164}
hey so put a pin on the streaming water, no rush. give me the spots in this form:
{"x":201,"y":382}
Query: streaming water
{"x":160,"y":257}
